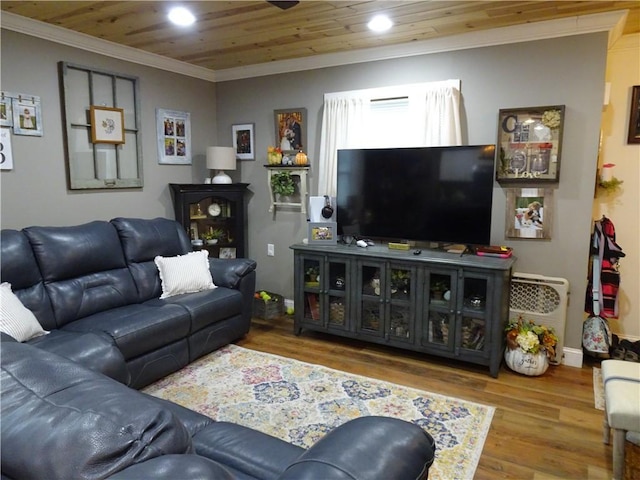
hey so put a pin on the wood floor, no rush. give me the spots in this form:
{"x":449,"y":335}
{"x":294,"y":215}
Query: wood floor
{"x":544,"y":427}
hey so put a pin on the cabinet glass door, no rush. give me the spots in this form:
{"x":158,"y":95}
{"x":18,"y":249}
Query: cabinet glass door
{"x":473,"y":326}
{"x":401,"y":310}
{"x":212,"y":226}
{"x":370,"y":315}
{"x":337,"y":297}
{"x":440,"y":310}
{"x":311,"y":268}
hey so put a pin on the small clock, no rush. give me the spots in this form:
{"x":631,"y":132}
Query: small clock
{"x":214,"y":209}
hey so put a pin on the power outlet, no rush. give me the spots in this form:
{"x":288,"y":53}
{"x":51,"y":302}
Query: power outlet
{"x":270,"y":250}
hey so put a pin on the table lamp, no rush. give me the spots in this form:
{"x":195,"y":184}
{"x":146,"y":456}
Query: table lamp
{"x":220,"y":159}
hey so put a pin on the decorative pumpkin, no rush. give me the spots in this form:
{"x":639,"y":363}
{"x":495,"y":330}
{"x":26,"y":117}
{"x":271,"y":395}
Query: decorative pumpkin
{"x":301,"y":158}
{"x":531,"y":364}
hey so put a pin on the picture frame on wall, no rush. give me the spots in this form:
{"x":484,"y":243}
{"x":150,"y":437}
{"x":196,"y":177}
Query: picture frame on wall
{"x":27,"y":114}
{"x":107,"y":125}
{"x":323,"y":233}
{"x":6,"y":112}
{"x":173,"y":136}
{"x":529,"y":144}
{"x":6,"y":151}
{"x":634,"y":116}
{"x":243,"y":141}
{"x":291,"y":129}
{"x":529,"y":213}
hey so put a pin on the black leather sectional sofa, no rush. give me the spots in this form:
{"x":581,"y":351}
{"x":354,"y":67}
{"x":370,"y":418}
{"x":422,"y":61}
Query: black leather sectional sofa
{"x":70,"y":408}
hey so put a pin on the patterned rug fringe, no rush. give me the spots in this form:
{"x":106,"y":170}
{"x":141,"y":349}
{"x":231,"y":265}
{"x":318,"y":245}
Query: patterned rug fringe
{"x":299,"y":402}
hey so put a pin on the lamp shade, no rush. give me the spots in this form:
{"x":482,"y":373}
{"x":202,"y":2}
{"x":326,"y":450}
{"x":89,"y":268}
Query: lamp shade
{"x":221,"y":158}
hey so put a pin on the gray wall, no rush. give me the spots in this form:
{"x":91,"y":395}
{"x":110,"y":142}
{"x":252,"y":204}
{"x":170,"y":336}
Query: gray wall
{"x":567,"y":71}
{"x":563,"y":71}
{"x":35,"y":191}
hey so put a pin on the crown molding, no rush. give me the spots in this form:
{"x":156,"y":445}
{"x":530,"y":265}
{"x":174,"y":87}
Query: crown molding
{"x":611,"y":22}
{"x":35,"y":28}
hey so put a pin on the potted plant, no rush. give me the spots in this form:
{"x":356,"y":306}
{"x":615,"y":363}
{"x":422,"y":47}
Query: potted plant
{"x":438,"y":288}
{"x":312,"y":273}
{"x":282,"y":184}
{"x":213,"y":236}
{"x":529,"y":347}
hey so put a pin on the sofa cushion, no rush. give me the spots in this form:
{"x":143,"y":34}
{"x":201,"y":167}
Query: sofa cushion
{"x":209,"y":306}
{"x":95,"y":351}
{"x":187,"y":273}
{"x":50,"y":403}
{"x":142,"y":241}
{"x":83,"y":268}
{"x":19,"y":267}
{"x":15,"y":319}
{"x":140,"y":328}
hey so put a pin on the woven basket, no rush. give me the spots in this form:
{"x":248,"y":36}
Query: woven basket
{"x":274,"y":308}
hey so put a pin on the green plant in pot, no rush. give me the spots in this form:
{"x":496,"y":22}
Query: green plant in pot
{"x":282,"y":184}
{"x":213,"y":236}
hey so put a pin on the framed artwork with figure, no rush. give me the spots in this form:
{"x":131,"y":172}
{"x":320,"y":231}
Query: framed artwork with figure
{"x":529,"y":213}
{"x":291,"y":129}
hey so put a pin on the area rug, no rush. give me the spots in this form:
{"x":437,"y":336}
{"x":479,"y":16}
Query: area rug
{"x":300,"y":402}
{"x":598,"y":389}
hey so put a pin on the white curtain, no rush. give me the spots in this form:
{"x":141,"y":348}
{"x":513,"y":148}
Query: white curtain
{"x":432,"y":119}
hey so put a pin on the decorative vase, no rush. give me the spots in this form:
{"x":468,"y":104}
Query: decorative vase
{"x":532,"y":364}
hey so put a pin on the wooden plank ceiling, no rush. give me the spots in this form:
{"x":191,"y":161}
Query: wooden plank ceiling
{"x":237,"y":33}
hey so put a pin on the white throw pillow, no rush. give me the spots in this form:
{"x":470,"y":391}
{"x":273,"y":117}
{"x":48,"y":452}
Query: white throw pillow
{"x":185,"y":273}
{"x":16,"y":319}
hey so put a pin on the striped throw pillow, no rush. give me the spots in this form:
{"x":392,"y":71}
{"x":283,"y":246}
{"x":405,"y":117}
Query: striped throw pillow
{"x":184,"y":273}
{"x":16,"y":319}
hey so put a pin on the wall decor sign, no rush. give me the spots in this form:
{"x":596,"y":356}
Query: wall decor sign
{"x":324,"y":233}
{"x":6,"y":153}
{"x":634,"y":117}
{"x":174,"y":137}
{"x":26,"y":113}
{"x":529,"y":213}
{"x":529,"y":144}
{"x":291,"y":129}
{"x":107,"y":125}
{"x":243,"y":141}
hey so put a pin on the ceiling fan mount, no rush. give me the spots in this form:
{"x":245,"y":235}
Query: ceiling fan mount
{"x":284,"y":4}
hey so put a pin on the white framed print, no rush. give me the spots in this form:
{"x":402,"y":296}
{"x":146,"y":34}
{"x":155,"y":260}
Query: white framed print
{"x":174,"y":137}
{"x":6,"y":153}
{"x":27,"y":114}
{"x":107,"y":125}
{"x":227,"y":252}
{"x":6,"y":112}
{"x":243,"y":141}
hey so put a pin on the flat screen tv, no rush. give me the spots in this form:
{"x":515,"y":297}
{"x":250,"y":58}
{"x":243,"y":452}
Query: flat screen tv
{"x":430,"y":194}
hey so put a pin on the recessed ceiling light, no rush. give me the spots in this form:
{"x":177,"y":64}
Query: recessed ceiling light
{"x":181,"y":16}
{"x":380,"y":23}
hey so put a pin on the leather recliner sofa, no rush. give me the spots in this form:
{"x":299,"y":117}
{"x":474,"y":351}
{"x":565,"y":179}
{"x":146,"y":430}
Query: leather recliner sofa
{"x":63,"y":421}
{"x":96,"y":288}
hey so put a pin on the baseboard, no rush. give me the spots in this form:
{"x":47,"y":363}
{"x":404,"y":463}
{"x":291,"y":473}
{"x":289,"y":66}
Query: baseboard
{"x":572,"y":357}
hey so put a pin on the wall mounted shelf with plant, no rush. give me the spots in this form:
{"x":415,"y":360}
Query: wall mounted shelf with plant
{"x":288,"y":186}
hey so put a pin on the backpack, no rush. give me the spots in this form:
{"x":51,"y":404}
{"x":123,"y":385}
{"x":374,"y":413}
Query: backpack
{"x":596,"y":336}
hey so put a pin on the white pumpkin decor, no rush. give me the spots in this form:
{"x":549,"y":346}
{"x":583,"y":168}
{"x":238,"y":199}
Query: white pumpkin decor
{"x":532,"y":364}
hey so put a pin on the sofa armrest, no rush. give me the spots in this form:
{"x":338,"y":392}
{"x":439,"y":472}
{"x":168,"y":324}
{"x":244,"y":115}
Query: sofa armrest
{"x":366,"y":448}
{"x":230,"y":272}
{"x":171,"y":467}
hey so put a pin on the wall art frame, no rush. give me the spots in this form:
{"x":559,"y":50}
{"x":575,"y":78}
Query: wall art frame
{"x":6,"y":151}
{"x":6,"y":111}
{"x":107,"y":125}
{"x":634,"y":116}
{"x":529,"y":144}
{"x":243,"y":136}
{"x":529,"y":213}
{"x":27,"y":114}
{"x":291,"y":129}
{"x":323,"y":233}
{"x":174,"y":137}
